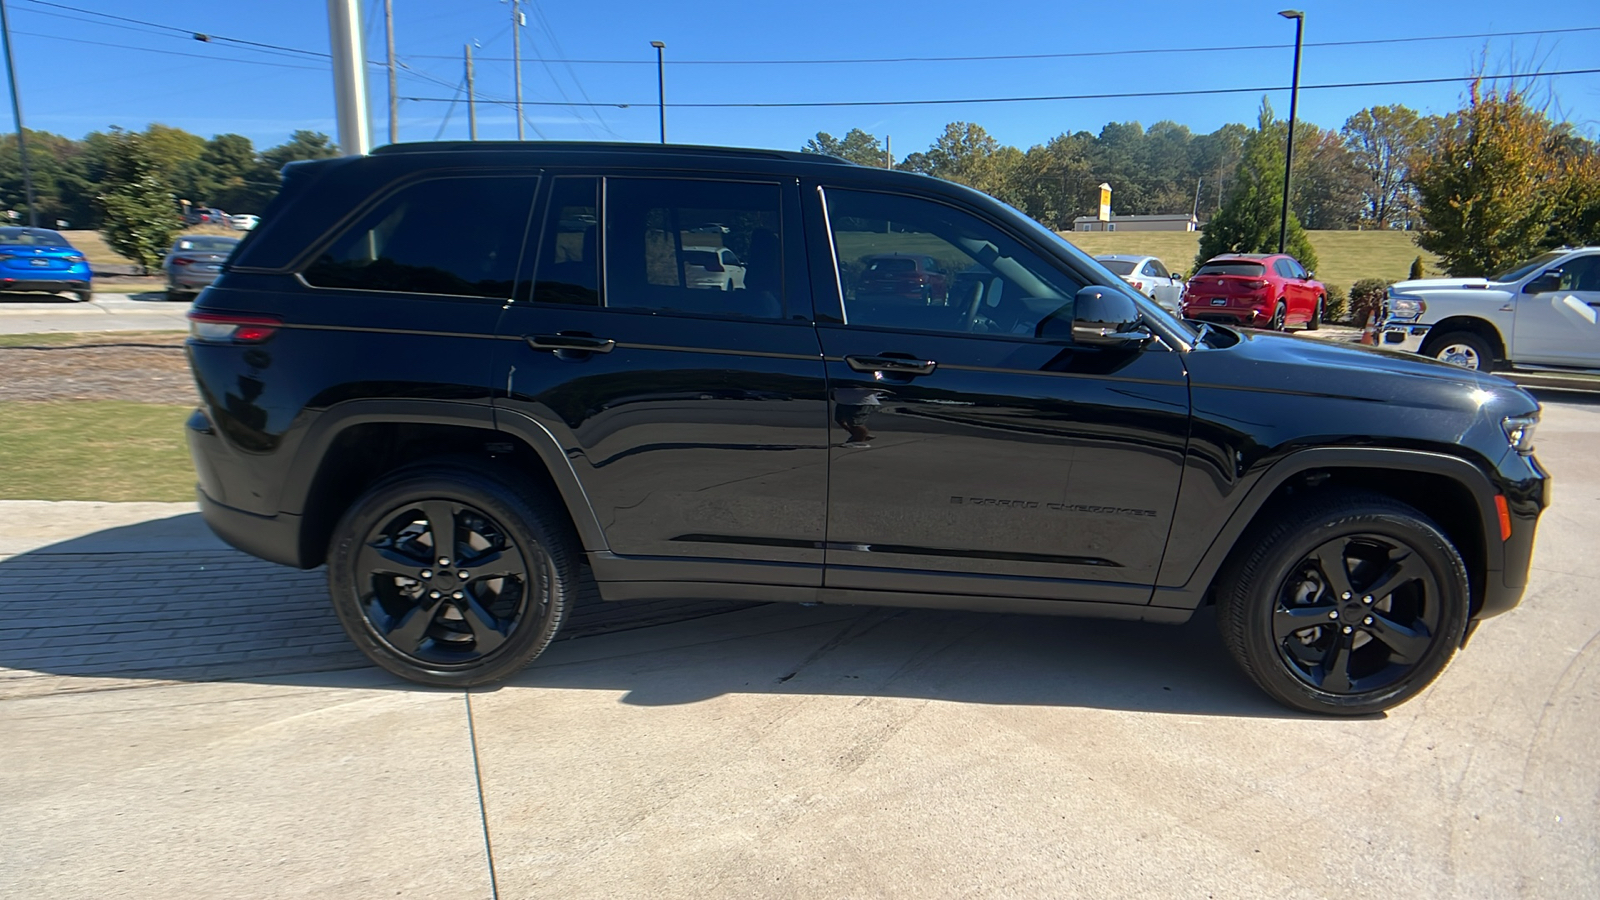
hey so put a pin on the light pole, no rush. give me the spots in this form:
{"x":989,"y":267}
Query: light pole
{"x":661,"y":87}
{"x":16,"y":106}
{"x":1294,"y":95}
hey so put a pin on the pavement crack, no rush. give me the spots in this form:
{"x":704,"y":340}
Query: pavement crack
{"x":483,"y":812}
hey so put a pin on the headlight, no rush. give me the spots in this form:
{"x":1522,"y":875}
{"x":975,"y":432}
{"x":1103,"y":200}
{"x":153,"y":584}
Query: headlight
{"x":1519,"y":432}
{"x":1404,"y":307}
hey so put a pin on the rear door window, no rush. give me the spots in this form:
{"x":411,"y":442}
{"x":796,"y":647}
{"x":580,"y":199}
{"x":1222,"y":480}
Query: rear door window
{"x":664,"y":245}
{"x":452,"y":236}
{"x":569,"y":252}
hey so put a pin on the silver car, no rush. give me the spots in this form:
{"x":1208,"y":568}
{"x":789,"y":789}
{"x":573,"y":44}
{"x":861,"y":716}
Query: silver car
{"x":195,"y":261}
{"x":1148,"y":276}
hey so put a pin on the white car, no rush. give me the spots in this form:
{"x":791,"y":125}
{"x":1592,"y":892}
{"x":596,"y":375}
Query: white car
{"x":1148,"y":276}
{"x":713,"y":268}
{"x":1544,"y":313}
{"x":244,"y":223}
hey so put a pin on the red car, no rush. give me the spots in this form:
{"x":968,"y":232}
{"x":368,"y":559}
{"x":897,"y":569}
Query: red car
{"x":1271,"y":291}
{"x":905,"y":276}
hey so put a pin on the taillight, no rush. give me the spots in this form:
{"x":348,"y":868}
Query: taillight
{"x":1137,"y":285}
{"x":182,"y":261}
{"x":1255,"y":285}
{"x":226,"y":328}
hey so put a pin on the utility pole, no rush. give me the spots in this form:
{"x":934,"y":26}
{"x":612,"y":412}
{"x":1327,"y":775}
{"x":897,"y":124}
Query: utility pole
{"x":888,"y":152}
{"x":1294,"y":95}
{"x":394,"y":91}
{"x":516,"y":53}
{"x":16,"y":107}
{"x":661,"y":85}
{"x":349,"y":76}
{"x":472,"y":101}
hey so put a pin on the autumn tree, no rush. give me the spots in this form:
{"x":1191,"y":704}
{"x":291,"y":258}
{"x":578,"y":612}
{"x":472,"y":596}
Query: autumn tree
{"x":1249,"y":220}
{"x":1484,"y":183}
{"x":857,"y":146}
{"x":1381,"y":141}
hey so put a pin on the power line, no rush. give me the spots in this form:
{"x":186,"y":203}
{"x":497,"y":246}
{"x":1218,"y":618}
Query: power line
{"x":182,"y":32}
{"x":1077,"y":55}
{"x":226,"y":59}
{"x":1114,"y":96}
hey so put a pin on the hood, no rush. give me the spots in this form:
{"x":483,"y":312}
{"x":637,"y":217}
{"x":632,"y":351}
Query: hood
{"x":1443,"y":284}
{"x":1286,"y":363}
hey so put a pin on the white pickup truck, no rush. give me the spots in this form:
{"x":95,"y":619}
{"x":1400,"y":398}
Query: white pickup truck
{"x":1543,"y":314}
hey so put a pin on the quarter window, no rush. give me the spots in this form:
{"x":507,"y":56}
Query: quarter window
{"x":667,"y":246}
{"x":453,"y":236}
{"x":982,"y":281}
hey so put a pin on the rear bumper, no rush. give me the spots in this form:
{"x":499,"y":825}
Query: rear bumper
{"x":1247,"y":318}
{"x":272,"y":538}
{"x":50,"y":286}
{"x":191,"y":281}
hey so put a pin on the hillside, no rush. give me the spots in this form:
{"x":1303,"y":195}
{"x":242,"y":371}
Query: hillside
{"x":1343,"y":256}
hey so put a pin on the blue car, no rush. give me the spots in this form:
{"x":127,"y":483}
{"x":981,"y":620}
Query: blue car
{"x":38,"y":259}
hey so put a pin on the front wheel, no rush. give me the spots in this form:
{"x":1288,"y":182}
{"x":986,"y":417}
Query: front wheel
{"x":1317,"y":314}
{"x":1346,"y":605}
{"x":1461,"y":348}
{"x":447,"y":576}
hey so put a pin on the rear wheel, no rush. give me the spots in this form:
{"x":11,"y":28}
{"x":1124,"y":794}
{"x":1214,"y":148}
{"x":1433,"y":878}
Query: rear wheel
{"x":84,"y":296}
{"x":1461,"y":348}
{"x":447,"y":576}
{"x":1348,"y":604}
{"x":1317,"y":314}
{"x":176,"y":295}
{"x":1278,"y":314}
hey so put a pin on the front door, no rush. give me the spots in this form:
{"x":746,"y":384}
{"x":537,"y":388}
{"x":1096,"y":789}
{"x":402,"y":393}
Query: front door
{"x":691,"y":406}
{"x":1561,"y":327}
{"x":976,"y":450}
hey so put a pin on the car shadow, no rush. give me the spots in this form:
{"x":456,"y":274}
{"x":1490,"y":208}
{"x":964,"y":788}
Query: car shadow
{"x":163,"y":600}
{"x":37,"y":297}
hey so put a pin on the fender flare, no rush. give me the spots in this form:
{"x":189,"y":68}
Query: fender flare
{"x":1192,"y":591}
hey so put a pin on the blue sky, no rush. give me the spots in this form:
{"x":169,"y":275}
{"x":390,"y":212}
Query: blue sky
{"x":133,"y":74}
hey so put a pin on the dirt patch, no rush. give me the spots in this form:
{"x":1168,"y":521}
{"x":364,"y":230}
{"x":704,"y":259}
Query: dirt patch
{"x":145,"y":368}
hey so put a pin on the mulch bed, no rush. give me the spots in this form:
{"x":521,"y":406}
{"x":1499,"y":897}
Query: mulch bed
{"x":105,"y":366}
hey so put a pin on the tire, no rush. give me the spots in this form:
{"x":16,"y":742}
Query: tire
{"x":1316,"y":314}
{"x":84,"y":296}
{"x":1279,"y":314}
{"x":1373,"y":650}
{"x":179,"y":296}
{"x":388,"y":582}
{"x":1462,"y":348}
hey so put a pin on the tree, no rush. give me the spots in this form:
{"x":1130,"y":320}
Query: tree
{"x":1576,"y":218}
{"x":1249,"y":220}
{"x":229,"y":175}
{"x":1484,"y":184}
{"x":1382,"y":140}
{"x":300,"y":146}
{"x":139,"y":215}
{"x":857,"y":146}
{"x":1325,"y":192}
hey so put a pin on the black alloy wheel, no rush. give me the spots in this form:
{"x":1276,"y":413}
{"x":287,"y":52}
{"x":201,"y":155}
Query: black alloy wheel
{"x":1345,"y":604}
{"x":1278,"y":315}
{"x":446,"y":577}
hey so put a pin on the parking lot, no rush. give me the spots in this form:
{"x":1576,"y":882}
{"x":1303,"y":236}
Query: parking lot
{"x":181,"y":720}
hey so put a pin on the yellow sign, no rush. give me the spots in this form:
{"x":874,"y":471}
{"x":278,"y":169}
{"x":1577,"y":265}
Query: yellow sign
{"x":1105,"y":203}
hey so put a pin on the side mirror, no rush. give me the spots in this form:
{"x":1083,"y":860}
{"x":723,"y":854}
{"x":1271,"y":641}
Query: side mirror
{"x":1310,"y":275}
{"x":1105,"y":317}
{"x":1544,"y":284}
{"x":1177,"y":276}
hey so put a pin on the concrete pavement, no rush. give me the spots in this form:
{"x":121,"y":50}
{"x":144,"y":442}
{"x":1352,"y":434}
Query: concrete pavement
{"x":39,"y":314}
{"x":772,"y":751}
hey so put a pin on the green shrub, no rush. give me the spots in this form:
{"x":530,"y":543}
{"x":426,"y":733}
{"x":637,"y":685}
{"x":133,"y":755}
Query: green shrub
{"x":1416,"y":269}
{"x":1338,"y":308}
{"x":1366,"y":296}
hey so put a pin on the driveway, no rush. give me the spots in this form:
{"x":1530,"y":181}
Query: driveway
{"x":181,"y":721}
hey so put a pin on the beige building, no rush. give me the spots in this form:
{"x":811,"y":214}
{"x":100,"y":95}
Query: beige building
{"x":1174,"y":222}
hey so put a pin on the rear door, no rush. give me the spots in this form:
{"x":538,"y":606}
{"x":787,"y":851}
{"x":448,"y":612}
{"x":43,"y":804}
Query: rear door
{"x":692,"y":413}
{"x":976,"y":450}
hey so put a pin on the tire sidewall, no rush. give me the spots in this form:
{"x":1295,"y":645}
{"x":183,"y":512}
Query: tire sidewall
{"x":1260,"y":648}
{"x":506,"y":506}
{"x":1478,"y":344}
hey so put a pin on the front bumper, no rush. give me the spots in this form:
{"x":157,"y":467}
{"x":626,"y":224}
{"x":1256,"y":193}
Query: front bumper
{"x":1402,"y":336}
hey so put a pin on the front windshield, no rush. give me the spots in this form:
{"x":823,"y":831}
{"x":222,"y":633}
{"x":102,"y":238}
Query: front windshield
{"x":1527,"y":268}
{"x":1150,"y":310}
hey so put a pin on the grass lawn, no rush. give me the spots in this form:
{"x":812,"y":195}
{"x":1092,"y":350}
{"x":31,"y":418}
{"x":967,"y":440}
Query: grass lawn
{"x":1344,"y":257}
{"x":93,"y":450}
{"x":84,"y":338}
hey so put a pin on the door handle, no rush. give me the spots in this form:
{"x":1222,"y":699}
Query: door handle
{"x":558,"y":342}
{"x":897,"y":365}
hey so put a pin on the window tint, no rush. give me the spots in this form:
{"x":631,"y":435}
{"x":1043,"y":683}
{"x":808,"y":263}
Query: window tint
{"x":1281,"y":266}
{"x":662,"y":243}
{"x":1298,"y":270}
{"x":998,"y":287}
{"x":1232,"y":267}
{"x":1159,"y":270}
{"x":1581,"y":274}
{"x":569,"y":255}
{"x":1118,"y":266}
{"x":460,"y":236}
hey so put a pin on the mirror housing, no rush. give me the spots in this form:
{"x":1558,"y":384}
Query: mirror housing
{"x":1544,"y":284}
{"x":1103,"y":316}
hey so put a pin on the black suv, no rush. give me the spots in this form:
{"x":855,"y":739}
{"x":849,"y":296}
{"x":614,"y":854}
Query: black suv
{"x":469,"y":416}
